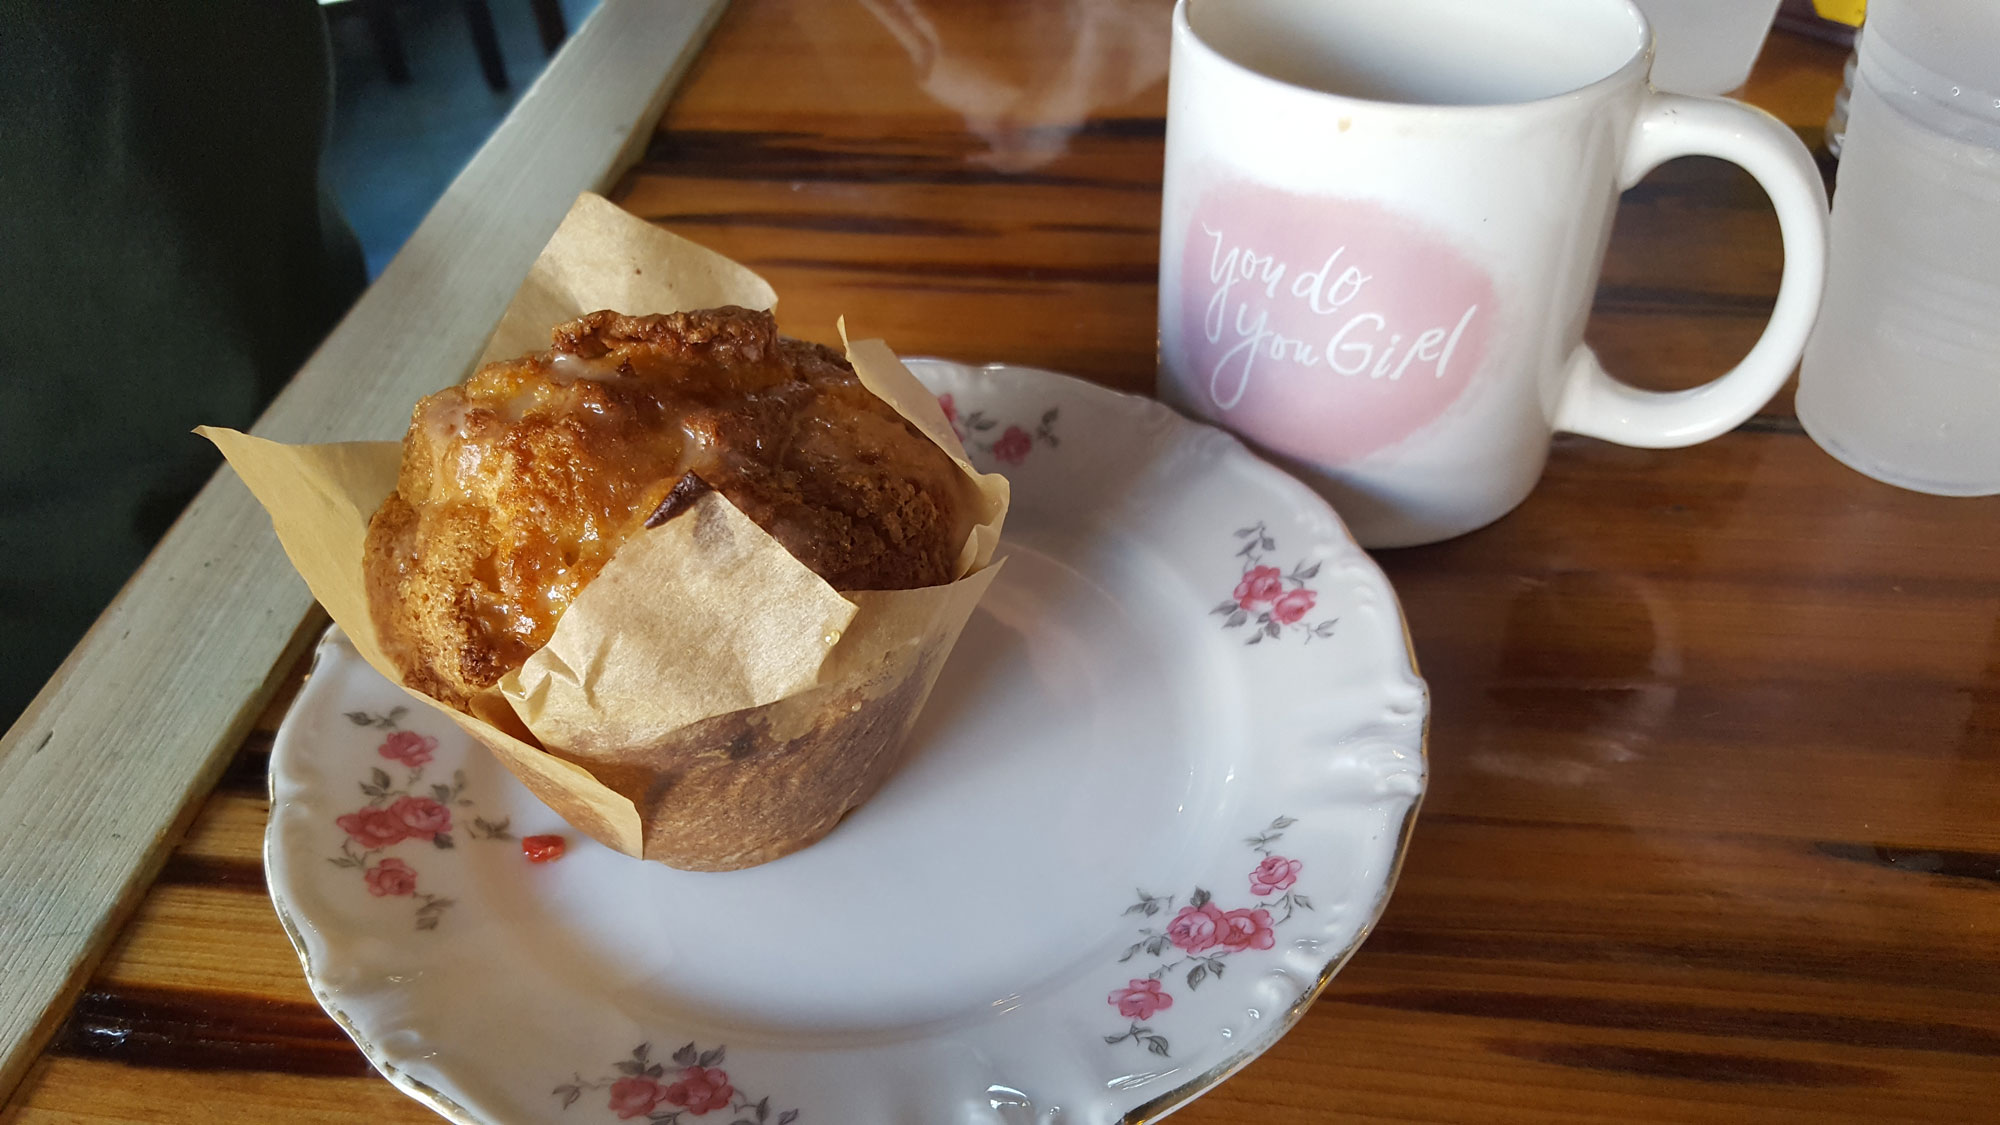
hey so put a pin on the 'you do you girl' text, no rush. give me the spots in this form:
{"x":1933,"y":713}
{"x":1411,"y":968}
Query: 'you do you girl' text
{"x":1313,"y":315}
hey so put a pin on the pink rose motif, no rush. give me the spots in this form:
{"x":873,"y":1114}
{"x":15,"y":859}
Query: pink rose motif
{"x":421,"y":817}
{"x":1196,"y":928}
{"x":1262,"y":584}
{"x":701,"y":1089}
{"x":1246,"y":929}
{"x":1014,"y":446}
{"x":408,"y":747}
{"x":1140,"y":1000}
{"x":373,"y":828}
{"x":635,"y":1096}
{"x":950,"y":409}
{"x":1292,"y":606}
{"x":391,"y":877}
{"x":1274,"y":874}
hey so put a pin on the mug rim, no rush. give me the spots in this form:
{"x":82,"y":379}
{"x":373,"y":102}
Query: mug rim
{"x":1640,"y":59}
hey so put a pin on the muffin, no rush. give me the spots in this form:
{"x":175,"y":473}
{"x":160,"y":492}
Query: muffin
{"x":519,"y":487}
{"x":690,"y":582}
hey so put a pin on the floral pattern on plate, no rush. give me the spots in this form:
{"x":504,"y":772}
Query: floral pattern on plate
{"x":1280,"y":599}
{"x":1014,"y":443}
{"x":696,"y":1087}
{"x":398,"y":813}
{"x":1205,"y":934}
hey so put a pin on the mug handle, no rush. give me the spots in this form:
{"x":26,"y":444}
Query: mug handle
{"x":1670,"y":125}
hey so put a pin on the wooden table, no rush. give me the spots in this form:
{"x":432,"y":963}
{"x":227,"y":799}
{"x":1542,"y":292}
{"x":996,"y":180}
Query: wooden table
{"x":1714,"y":822}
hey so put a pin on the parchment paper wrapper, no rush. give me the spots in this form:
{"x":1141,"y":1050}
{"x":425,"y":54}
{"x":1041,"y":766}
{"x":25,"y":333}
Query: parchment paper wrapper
{"x":707,"y":701}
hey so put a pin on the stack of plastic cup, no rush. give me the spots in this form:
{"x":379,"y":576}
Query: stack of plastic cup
{"x":1901,"y":379}
{"x":1706,"y":46}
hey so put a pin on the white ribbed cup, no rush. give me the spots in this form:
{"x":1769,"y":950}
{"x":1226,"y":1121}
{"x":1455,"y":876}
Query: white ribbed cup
{"x":1901,"y":379}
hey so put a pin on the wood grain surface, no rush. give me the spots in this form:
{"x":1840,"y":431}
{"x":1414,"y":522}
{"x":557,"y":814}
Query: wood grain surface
{"x":1711,"y":832}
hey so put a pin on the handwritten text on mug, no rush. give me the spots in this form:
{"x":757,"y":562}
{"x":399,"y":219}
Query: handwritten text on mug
{"x":1327,"y":329}
{"x":1358,"y":346}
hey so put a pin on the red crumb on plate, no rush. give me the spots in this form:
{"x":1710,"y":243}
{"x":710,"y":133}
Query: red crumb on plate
{"x":541,"y":849}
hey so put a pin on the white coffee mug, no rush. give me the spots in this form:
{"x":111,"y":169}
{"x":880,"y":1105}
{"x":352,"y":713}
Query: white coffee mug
{"x":1382,"y":230}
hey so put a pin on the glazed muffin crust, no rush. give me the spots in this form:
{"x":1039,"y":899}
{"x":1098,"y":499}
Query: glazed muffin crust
{"x":518,"y":485}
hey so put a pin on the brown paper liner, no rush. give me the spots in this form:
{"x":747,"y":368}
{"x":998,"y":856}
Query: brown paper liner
{"x":714,"y":705}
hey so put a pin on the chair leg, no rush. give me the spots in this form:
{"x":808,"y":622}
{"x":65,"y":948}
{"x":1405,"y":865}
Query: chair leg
{"x":388,"y":39}
{"x":549,"y":21}
{"x":486,"y":42}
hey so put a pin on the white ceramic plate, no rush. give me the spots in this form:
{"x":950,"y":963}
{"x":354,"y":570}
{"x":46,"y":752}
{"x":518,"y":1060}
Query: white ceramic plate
{"x":1159,"y":796}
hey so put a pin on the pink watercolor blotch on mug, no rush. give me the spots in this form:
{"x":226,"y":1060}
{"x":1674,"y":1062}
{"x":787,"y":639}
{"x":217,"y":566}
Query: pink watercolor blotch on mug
{"x":1381,"y":230}
{"x":1328,"y":328}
